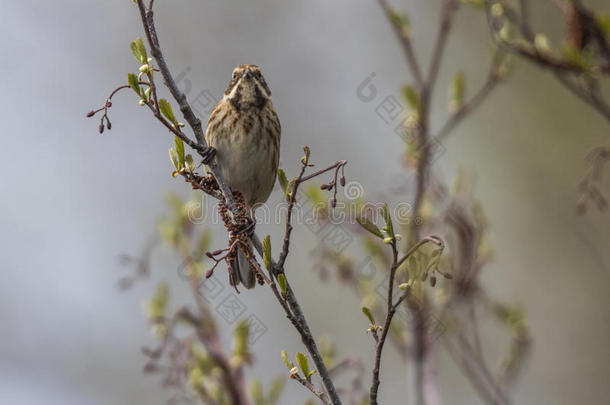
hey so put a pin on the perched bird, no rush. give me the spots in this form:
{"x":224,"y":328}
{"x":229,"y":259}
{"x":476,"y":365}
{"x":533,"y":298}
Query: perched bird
{"x":244,"y":130}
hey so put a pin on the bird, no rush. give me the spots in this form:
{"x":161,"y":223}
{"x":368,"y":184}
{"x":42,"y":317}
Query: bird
{"x":244,"y":132}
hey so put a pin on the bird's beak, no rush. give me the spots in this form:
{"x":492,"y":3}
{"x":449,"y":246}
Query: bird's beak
{"x":247,"y":73}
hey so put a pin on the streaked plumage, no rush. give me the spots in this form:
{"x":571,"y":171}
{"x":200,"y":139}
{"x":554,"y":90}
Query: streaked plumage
{"x":245,"y":131}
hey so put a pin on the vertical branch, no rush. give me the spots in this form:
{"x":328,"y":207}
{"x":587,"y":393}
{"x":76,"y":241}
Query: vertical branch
{"x":447,"y":12}
{"x":391,"y":308}
{"x":405,"y":42}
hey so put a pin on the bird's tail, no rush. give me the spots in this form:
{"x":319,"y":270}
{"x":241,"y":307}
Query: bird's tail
{"x":243,"y":271}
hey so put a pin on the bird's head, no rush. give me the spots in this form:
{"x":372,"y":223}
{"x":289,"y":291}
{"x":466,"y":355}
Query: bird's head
{"x":247,"y":88}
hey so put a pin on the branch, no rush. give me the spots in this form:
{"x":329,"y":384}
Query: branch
{"x":307,"y":384}
{"x":447,"y":13}
{"x":562,"y":68}
{"x":490,"y":84}
{"x":405,"y":42}
{"x":146,"y":15}
{"x":195,"y":124}
{"x":278,"y":268}
{"x":392,"y":306}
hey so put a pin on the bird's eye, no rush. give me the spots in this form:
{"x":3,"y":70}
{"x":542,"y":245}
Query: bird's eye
{"x":234,"y":75}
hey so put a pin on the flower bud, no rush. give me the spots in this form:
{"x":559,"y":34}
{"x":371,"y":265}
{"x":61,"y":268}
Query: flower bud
{"x":90,"y":114}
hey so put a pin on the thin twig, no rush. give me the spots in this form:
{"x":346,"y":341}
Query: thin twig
{"x":405,"y":42}
{"x":490,"y":84}
{"x":449,"y":8}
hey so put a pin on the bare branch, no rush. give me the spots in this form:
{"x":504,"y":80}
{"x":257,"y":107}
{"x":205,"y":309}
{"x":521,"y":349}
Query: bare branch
{"x":405,"y":42}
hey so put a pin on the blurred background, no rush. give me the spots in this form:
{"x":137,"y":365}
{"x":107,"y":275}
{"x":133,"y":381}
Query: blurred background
{"x":74,"y":200}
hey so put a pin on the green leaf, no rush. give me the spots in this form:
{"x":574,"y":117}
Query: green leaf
{"x":189,"y":163}
{"x":305,"y":158}
{"x":411,"y":96}
{"x":135,"y":51}
{"x":173,"y":155}
{"x":385,"y":212}
{"x":195,"y":378}
{"x":133,"y":81}
{"x":400,"y":20}
{"x":240,"y":336}
{"x":303,"y":363}
{"x":267,"y":251}
{"x":139,"y":50}
{"x":256,"y":391}
{"x":287,"y":361}
{"x":369,"y":226}
{"x":158,"y":303}
{"x":281,"y":175}
{"x":456,"y":92}
{"x":281,"y":280}
{"x":166,"y":110}
{"x":289,"y":188}
{"x":366,"y":311}
{"x":179,"y":150}
{"x":479,"y":4}
{"x":603,"y":20}
{"x":277,"y":386}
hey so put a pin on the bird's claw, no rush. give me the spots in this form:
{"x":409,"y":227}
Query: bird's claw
{"x":208,"y":154}
{"x":249,"y":226}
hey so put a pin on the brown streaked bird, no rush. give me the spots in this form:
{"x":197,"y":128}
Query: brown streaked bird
{"x":244,"y":130}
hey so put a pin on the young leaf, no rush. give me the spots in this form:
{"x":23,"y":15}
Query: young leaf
{"x":277,"y":385}
{"x":281,"y":280}
{"x":267,"y":251}
{"x":173,"y":155}
{"x":141,"y":51}
{"x":412,"y":262}
{"x":158,"y":303}
{"x":287,"y":361}
{"x":289,"y":188}
{"x":456,"y":92}
{"x":166,"y":110}
{"x":305,"y":158}
{"x":133,"y":81}
{"x":179,"y":150}
{"x":366,"y":311}
{"x":303,"y":363}
{"x":411,"y":96}
{"x":385,"y":212}
{"x":135,"y":51}
{"x":189,"y":163}
{"x":400,"y":20}
{"x":479,"y":4}
{"x":282,"y":179}
{"x":369,"y":226}
{"x":240,"y":338}
{"x":256,"y":391}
